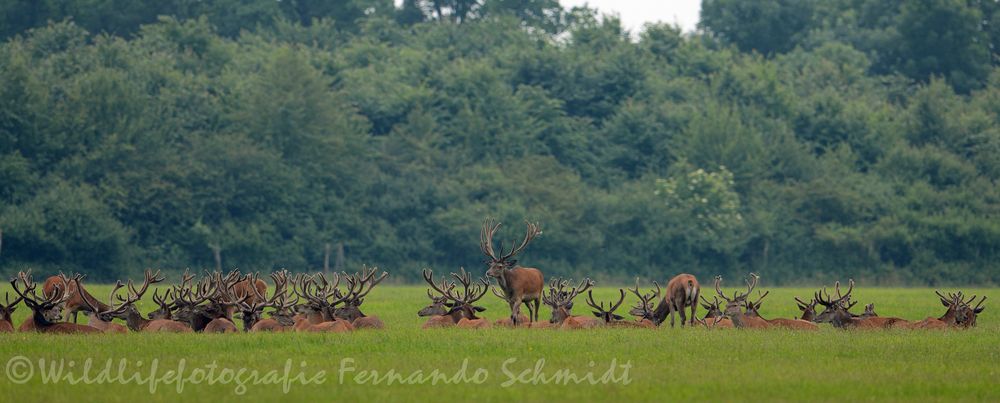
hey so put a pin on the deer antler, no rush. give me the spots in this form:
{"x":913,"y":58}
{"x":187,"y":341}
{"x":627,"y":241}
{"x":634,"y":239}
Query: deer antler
{"x":490,"y":227}
{"x":529,"y":234}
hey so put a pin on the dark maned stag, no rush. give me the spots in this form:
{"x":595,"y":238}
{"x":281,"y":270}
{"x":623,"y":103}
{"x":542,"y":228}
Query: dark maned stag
{"x":734,"y":306}
{"x":608,"y":316}
{"x":682,"y":291}
{"x":40,"y":305}
{"x":6,"y":326}
{"x":837,"y":313}
{"x":519,"y":284}
{"x":753,"y":309}
{"x":75,"y":293}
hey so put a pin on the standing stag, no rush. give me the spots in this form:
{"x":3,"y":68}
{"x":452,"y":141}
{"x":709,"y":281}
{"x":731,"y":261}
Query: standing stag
{"x":682,"y":292}
{"x":519,"y":284}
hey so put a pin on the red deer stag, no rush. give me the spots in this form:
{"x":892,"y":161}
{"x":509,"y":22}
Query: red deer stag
{"x":837,"y":313}
{"x":734,"y":306}
{"x":6,"y":326}
{"x":318,"y":307}
{"x":519,"y":284}
{"x":753,"y":309}
{"x":75,"y":303}
{"x":561,"y":302}
{"x":808,"y":309}
{"x":103,"y":319}
{"x":39,"y":306}
{"x":644,"y":312}
{"x":608,"y":316}
{"x":682,"y":292}
{"x":714,"y":317}
{"x":955,"y":316}
{"x":463,"y":301}
{"x":359,"y":285}
{"x":971,"y":313}
{"x":443,"y":311}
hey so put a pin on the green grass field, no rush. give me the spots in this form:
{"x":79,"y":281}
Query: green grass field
{"x":666,"y":364}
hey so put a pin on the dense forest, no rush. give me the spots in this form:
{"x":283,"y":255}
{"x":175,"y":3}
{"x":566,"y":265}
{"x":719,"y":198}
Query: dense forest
{"x":801,"y":139}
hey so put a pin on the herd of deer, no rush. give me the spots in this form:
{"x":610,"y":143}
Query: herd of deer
{"x":210,"y":304}
{"x":206,"y":305}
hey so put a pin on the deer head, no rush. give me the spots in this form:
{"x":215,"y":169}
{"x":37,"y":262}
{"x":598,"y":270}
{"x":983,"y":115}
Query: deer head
{"x":808,"y":309}
{"x":645,"y":308}
{"x":712,"y":307}
{"x":498,"y":263}
{"x":46,"y":310}
{"x":869,"y":311}
{"x":753,"y":308}
{"x":7,"y":310}
{"x":837,"y":310}
{"x":607,"y":315}
{"x":972,"y":312}
{"x":560,"y":300}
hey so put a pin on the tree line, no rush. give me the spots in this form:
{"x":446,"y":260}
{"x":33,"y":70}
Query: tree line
{"x":804,"y":140}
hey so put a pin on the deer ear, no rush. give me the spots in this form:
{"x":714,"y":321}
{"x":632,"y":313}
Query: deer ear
{"x":512,"y":263}
{"x":598,"y":314}
{"x":617,"y":317}
{"x":569,"y":305}
{"x":946,"y":303}
{"x":977,"y":310}
{"x":479,"y":309}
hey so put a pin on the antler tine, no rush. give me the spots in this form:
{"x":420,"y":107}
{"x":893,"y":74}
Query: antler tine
{"x":371,"y":282}
{"x":761,"y":296}
{"x":590,"y":301}
{"x":977,"y":305}
{"x":529,"y":234}
{"x":636,"y":289}
{"x":620,"y":300}
{"x":847,"y":296}
{"x":490,"y":227}
{"x":718,"y":290}
{"x":150,"y":278}
{"x":504,"y":297}
{"x":656,"y":295}
{"x":585,"y":285}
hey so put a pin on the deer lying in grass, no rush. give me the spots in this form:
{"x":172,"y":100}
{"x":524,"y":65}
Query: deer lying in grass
{"x":644,"y":312}
{"x":359,"y":285}
{"x":837,"y":312}
{"x":252,"y":309}
{"x":444,"y":311}
{"x":734,"y":306}
{"x":608,"y":316}
{"x":808,"y":309}
{"x":956,"y":315}
{"x":753,"y":309}
{"x":714,"y":318}
{"x":103,"y":319}
{"x":561,"y":302}
{"x":519,"y":284}
{"x":971,"y":313}
{"x":41,"y":305}
{"x":135,"y":321}
{"x":318,"y":308}
{"x":464,"y":301}
{"x":6,"y":326}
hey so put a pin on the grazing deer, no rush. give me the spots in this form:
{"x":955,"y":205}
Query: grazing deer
{"x":6,"y":326}
{"x":359,"y":285}
{"x":77,"y":295}
{"x":753,"y":309}
{"x":561,"y":302}
{"x":644,"y":312}
{"x":734,"y":306}
{"x":682,"y":291}
{"x":519,"y":284}
{"x":808,"y":309}
{"x":39,"y":306}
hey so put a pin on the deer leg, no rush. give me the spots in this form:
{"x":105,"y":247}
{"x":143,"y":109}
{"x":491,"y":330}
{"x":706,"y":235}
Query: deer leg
{"x":672,"y":310}
{"x":694,"y":307}
{"x":683,"y":316}
{"x":74,"y":316}
{"x":538,"y":306}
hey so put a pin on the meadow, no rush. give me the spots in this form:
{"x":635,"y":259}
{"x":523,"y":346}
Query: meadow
{"x":663,"y":365}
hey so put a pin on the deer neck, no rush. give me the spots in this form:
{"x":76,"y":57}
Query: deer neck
{"x":135,"y":321}
{"x":949,"y":317}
